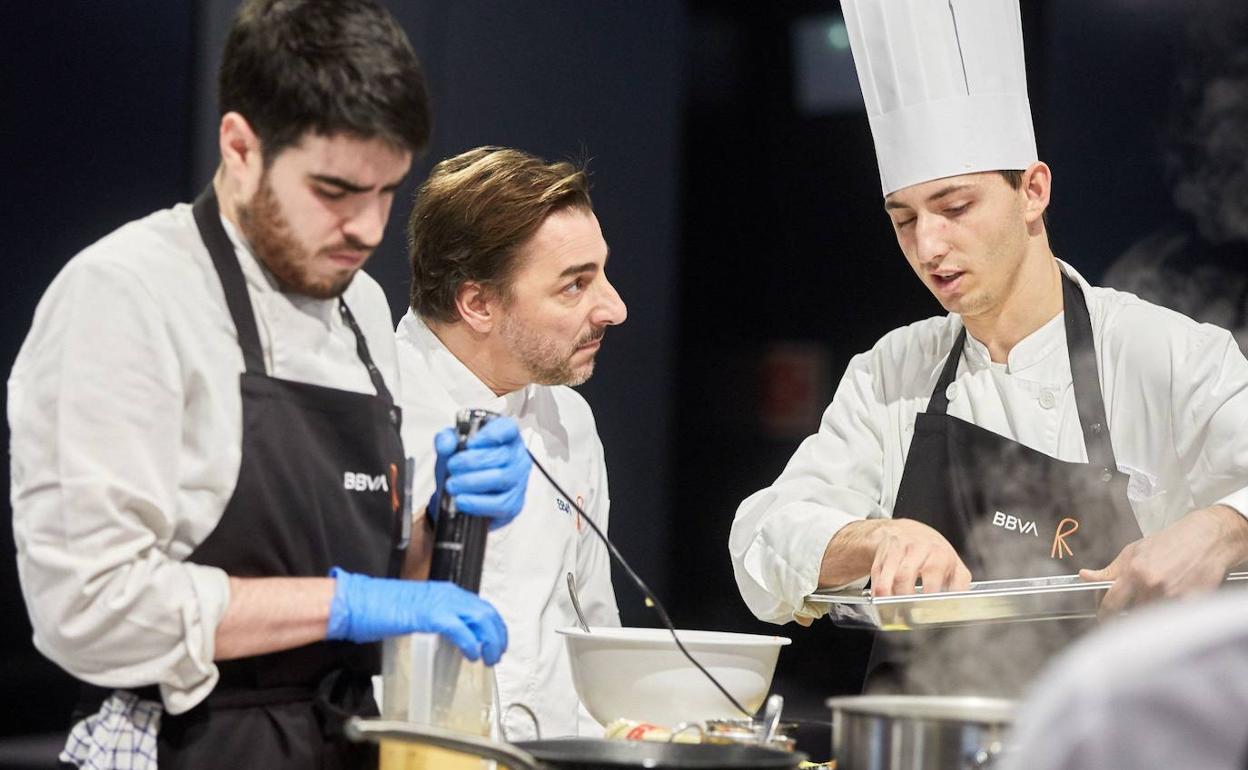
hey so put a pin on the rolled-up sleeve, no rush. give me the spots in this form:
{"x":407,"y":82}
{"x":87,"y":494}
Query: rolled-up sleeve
{"x":780,"y":533}
{"x":96,"y":411}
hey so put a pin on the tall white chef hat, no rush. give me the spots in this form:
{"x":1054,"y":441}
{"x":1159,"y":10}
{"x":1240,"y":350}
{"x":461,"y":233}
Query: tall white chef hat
{"x":945,"y":86}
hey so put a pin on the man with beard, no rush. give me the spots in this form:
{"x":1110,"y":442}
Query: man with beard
{"x":206,"y":456}
{"x":510,"y":301}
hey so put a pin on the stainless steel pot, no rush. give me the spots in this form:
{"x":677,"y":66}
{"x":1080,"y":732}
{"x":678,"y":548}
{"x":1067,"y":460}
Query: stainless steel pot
{"x":918,"y":732}
{"x":580,"y":753}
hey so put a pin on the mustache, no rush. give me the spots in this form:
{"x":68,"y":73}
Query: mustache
{"x":592,"y":336}
{"x":350,"y":243}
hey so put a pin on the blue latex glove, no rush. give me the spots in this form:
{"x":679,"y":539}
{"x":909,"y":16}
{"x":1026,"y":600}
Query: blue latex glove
{"x":368,"y":609}
{"x":489,"y":477}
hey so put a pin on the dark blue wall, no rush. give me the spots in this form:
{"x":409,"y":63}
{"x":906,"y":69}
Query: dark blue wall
{"x":96,"y":105}
{"x":1109,"y":68}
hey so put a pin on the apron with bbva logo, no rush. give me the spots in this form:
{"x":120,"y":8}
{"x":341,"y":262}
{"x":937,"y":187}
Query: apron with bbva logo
{"x":1011,"y":512}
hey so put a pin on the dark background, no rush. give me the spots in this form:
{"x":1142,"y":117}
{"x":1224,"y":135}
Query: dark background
{"x":741,"y":223}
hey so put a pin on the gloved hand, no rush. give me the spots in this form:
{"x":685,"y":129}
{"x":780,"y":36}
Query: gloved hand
{"x":489,"y":477}
{"x":368,"y":609}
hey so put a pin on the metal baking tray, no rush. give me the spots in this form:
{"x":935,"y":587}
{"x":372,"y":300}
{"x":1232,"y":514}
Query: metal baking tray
{"x":988,"y":601}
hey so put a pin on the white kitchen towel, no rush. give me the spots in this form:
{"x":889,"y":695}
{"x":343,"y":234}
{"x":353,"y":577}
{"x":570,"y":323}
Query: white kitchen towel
{"x":120,"y":736}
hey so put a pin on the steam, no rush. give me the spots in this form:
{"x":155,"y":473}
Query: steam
{"x":1208,"y":148}
{"x":1201,"y":268}
{"x":1003,"y":659}
{"x":997,"y":660}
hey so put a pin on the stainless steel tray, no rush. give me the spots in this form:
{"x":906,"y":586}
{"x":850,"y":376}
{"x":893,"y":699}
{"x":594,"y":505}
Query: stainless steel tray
{"x":989,"y":601}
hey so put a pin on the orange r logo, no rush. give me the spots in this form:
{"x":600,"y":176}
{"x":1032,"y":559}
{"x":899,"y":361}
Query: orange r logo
{"x":394,"y":487}
{"x":1059,"y":539}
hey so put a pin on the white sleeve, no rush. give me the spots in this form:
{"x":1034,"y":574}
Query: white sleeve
{"x":419,"y":425}
{"x":95,"y":410}
{"x":1166,"y":686}
{"x":1211,"y":418}
{"x":780,"y":533}
{"x":418,"y":446}
{"x":593,"y":562}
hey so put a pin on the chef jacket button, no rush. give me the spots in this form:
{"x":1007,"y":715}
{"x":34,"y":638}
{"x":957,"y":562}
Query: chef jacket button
{"x":952,"y":391}
{"x":1096,"y":427}
{"x":1106,"y":476}
{"x":1047,"y":399}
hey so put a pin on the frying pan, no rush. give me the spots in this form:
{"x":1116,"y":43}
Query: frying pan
{"x":579,"y":753}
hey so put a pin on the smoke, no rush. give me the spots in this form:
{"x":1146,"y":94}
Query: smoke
{"x":997,"y":660}
{"x":1208,"y":148}
{"x":1002,"y":659}
{"x":994,"y":659}
{"x":1200,"y":267}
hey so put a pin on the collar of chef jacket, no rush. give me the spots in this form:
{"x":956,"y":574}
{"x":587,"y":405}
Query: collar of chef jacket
{"x":463,"y":386}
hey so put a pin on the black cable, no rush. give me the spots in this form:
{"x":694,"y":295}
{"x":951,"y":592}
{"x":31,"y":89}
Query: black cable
{"x":641,"y":585}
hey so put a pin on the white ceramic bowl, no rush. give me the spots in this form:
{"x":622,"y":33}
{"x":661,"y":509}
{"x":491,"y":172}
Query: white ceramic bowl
{"x":640,"y":674}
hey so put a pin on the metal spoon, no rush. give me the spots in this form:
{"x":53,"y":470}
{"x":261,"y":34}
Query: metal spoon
{"x":576,"y":604}
{"x":771,"y":718}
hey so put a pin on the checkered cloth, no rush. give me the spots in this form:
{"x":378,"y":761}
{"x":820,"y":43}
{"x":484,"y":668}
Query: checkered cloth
{"x":120,"y":736}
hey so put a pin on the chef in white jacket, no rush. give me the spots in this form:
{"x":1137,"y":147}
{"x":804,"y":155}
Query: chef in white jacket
{"x":1041,"y":426}
{"x":510,"y":302}
{"x":206,"y":453}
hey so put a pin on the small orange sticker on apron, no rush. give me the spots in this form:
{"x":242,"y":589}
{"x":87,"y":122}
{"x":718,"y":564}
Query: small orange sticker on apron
{"x":394,"y":487}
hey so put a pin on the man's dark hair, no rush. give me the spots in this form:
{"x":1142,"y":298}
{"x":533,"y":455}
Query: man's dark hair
{"x":473,"y":214}
{"x":326,"y":66}
{"x":1013,"y":177}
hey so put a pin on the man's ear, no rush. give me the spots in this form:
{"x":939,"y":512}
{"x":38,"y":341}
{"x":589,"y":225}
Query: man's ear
{"x":1037,"y":186}
{"x":477,"y":306}
{"x":240,"y":156}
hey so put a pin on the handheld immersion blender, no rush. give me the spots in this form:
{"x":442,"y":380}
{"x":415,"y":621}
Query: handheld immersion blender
{"x":458,"y":557}
{"x":459,"y":539}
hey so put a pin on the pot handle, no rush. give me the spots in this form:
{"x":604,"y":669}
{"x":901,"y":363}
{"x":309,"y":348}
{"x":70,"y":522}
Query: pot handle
{"x":377,"y":730}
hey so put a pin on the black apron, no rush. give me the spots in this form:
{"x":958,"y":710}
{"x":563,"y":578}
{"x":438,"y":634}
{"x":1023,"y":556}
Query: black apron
{"x":1011,"y":512}
{"x":319,"y":485}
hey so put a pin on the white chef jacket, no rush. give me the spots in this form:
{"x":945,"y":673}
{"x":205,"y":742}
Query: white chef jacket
{"x":126,"y":423}
{"x":1176,"y":397}
{"x":1165,"y":687}
{"x":526,"y":562}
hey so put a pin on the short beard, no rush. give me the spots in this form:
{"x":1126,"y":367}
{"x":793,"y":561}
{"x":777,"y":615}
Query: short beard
{"x":546,"y":362}
{"x":268,"y":232}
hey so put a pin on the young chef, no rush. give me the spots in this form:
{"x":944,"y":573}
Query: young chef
{"x":510,"y":302}
{"x":203,"y":426}
{"x":1043,"y":426}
